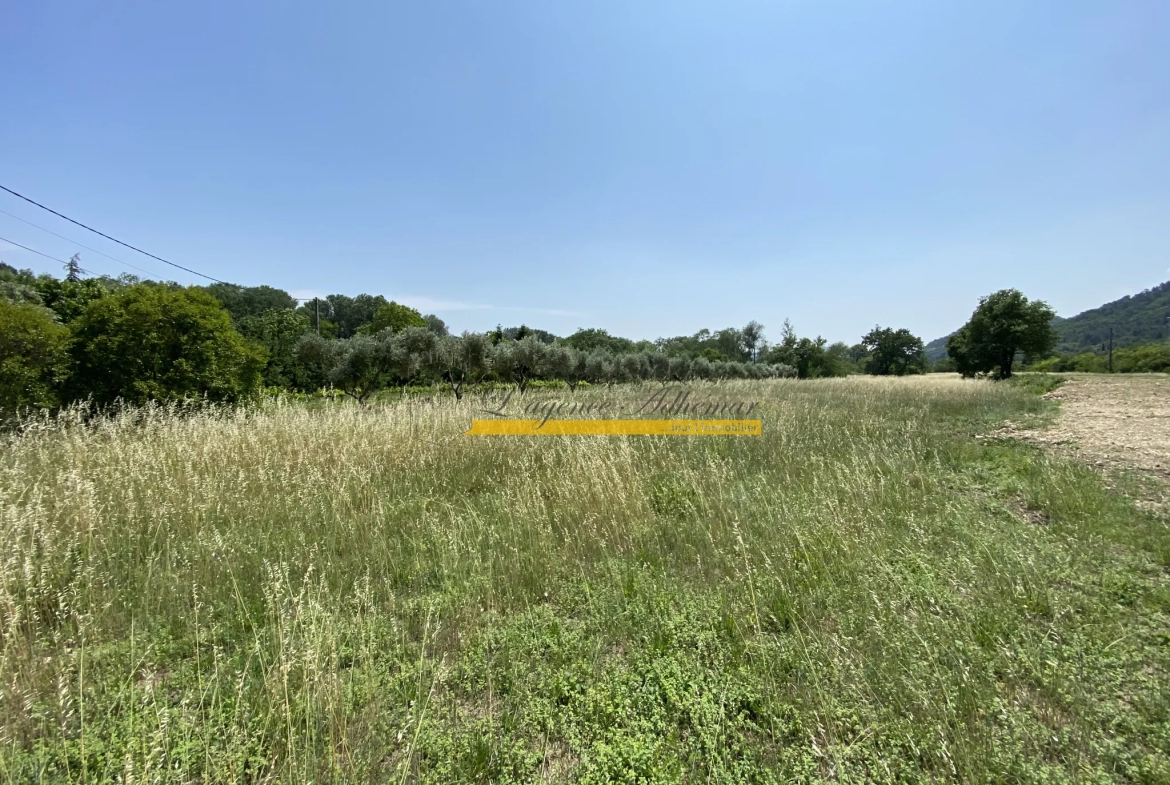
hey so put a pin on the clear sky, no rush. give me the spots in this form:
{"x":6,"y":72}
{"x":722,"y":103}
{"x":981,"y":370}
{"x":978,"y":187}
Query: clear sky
{"x":647,"y":167}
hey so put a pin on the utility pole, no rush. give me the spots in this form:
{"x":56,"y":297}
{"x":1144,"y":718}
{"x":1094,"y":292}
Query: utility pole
{"x":317,"y":305}
{"x":1110,"y":350}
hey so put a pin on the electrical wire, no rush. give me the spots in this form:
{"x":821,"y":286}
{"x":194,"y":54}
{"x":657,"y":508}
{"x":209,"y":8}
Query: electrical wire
{"x":103,"y":234}
{"x":33,"y":250}
{"x":86,"y":247}
{"x":54,"y":258}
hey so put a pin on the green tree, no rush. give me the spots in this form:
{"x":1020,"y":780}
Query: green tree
{"x":523,"y":331}
{"x":559,"y":363}
{"x":352,"y":365}
{"x":680,"y":368}
{"x":18,"y":286}
{"x":1150,"y":358}
{"x":753,"y":339}
{"x":350,"y":314}
{"x":720,"y":346}
{"x":245,"y":301}
{"x":436,"y":325}
{"x":598,"y":366}
{"x":68,"y":299}
{"x":1003,"y":324}
{"x":278,"y":331}
{"x":809,"y":357}
{"x":521,"y":361}
{"x":33,"y":357}
{"x":120,"y":281}
{"x":161,"y":343}
{"x":1147,"y":358}
{"x":570,"y":365}
{"x":838,"y":361}
{"x":318,"y":311}
{"x":893,"y":352}
{"x":393,"y":317}
{"x":73,"y":268}
{"x":632,"y":366}
{"x":363,"y":365}
{"x":591,"y":339}
{"x":731,"y":344}
{"x":459,"y":360}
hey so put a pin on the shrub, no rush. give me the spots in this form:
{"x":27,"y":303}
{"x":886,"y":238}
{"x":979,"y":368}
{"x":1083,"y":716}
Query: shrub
{"x":160,"y":343}
{"x":33,"y":357}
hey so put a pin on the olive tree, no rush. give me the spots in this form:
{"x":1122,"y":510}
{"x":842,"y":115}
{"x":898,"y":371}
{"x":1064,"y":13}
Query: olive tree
{"x":459,"y":360}
{"x":680,"y":368}
{"x":364,"y":364}
{"x":633,"y":366}
{"x":598,"y":366}
{"x":520,"y":361}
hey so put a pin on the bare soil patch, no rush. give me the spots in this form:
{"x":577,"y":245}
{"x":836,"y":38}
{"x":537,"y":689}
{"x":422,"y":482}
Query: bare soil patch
{"x":1115,"y":423}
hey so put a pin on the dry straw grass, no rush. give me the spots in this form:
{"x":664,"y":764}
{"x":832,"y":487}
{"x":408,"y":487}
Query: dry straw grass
{"x":353,"y":594}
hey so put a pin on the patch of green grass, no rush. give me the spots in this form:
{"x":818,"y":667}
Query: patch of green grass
{"x":864,"y":593}
{"x":1039,"y":383}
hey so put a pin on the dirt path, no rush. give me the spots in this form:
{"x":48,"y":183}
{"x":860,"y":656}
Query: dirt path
{"x":1113,"y":422}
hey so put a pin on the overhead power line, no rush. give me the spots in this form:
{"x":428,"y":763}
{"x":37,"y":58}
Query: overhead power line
{"x":33,"y":250}
{"x":38,"y":253}
{"x":103,"y":234}
{"x":86,"y":247}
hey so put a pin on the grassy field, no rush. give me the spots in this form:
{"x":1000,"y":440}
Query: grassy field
{"x":866,"y":593}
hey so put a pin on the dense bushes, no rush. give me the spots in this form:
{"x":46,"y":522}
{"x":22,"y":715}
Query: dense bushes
{"x":106,"y":339}
{"x":810,"y":358}
{"x":160,"y":343}
{"x":278,"y":331}
{"x":33,"y":359}
{"x":1151,"y":358}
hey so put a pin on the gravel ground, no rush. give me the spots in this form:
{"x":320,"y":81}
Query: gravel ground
{"x":1116,"y":423}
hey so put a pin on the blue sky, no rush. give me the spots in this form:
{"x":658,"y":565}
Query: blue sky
{"x":649,"y":168}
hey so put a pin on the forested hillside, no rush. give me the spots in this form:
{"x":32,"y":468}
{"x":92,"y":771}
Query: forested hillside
{"x":1137,"y":319}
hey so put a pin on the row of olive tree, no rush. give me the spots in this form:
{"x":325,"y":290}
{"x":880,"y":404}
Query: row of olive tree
{"x":362,"y":365}
{"x":130,"y":341}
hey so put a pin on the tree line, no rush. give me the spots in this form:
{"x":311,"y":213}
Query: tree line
{"x":106,"y":339}
{"x":1145,"y":358}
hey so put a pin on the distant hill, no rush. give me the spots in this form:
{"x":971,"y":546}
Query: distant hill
{"x":937,"y":349}
{"x":1135,"y":319}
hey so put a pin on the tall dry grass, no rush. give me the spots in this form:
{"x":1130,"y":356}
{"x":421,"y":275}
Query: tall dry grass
{"x":350,"y":594}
